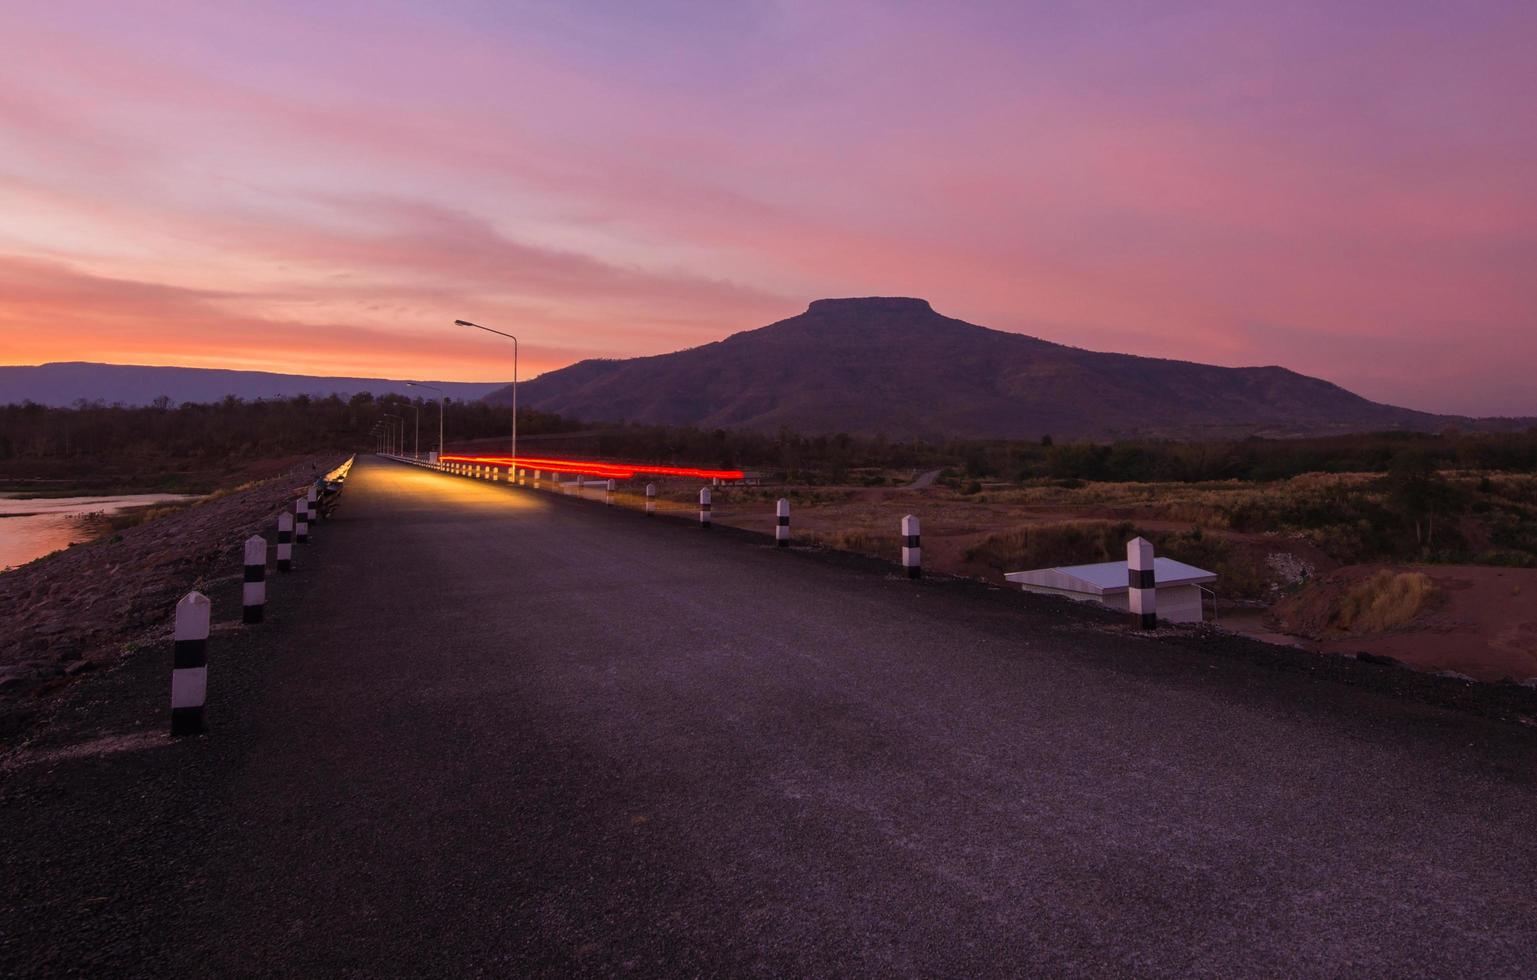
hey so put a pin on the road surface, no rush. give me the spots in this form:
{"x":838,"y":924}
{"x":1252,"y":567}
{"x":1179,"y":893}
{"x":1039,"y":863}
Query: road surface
{"x":488,"y":732}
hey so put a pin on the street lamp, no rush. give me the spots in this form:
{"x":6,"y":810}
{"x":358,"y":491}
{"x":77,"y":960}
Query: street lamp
{"x":399,"y":442}
{"x":466,"y":323}
{"x":441,"y":397}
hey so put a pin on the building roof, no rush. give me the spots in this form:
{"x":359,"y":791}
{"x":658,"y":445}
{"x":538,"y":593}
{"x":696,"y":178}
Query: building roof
{"x":1109,"y":578}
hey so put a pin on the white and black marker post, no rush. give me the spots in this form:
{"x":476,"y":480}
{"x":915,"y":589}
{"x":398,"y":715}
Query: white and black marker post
{"x":650,"y":499}
{"x":301,"y":522}
{"x":312,"y":502}
{"x":782,"y":523}
{"x":912,"y":549}
{"x":285,"y":542}
{"x":522,"y":477}
{"x":704,"y":507}
{"x":253,"y":594}
{"x":608,"y":493}
{"x":189,"y":669}
{"x":1141,"y":584}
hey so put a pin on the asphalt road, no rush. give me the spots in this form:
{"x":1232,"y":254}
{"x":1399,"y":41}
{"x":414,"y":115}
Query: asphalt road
{"x":488,"y":732}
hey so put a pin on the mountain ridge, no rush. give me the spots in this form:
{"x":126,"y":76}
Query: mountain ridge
{"x":893,"y":365}
{"x":62,"y":383}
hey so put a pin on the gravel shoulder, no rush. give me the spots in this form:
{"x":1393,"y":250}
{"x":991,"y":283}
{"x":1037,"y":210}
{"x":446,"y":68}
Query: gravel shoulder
{"x":87,"y":608}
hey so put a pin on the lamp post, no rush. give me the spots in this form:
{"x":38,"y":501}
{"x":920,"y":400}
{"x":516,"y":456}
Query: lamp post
{"x":466,"y":323}
{"x":441,"y":399}
{"x":398,"y":441}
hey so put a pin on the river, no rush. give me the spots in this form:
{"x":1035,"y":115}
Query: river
{"x":37,"y":526}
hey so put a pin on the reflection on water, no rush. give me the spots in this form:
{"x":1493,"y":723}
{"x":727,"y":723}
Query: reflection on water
{"x":31,"y":528}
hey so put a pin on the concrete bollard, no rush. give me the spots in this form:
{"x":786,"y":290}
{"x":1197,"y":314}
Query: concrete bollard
{"x":704,"y":507}
{"x":608,"y":493}
{"x":1141,"y":584}
{"x":536,"y":479}
{"x":312,"y":504}
{"x":782,"y":523}
{"x":285,"y":542}
{"x":912,"y":550}
{"x":650,"y":499}
{"x":301,"y":522}
{"x":189,"y":668}
{"x":522,"y":477}
{"x":253,"y":594}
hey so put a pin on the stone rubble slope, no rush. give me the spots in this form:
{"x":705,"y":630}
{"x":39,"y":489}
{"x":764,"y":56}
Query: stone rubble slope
{"x":69,"y":612}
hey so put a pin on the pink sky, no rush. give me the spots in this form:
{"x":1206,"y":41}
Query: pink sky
{"x":1346,"y":189}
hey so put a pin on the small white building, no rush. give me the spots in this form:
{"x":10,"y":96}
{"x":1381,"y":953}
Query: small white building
{"x":1178,"y":585}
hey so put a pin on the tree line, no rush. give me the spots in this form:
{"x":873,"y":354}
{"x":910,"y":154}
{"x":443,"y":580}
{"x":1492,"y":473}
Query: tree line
{"x":286,"y":426}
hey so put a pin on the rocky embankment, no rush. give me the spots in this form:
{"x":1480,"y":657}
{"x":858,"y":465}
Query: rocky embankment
{"x":86,"y":607}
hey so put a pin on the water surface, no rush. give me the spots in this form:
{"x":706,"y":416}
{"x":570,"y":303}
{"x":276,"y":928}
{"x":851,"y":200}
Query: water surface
{"x":36,"y":526}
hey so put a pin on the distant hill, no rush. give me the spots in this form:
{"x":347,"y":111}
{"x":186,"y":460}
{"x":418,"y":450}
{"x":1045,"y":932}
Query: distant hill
{"x":63,"y":383}
{"x":894,"y":366}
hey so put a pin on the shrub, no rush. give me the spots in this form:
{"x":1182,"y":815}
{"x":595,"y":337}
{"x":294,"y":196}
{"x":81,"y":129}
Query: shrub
{"x":1382,"y":602}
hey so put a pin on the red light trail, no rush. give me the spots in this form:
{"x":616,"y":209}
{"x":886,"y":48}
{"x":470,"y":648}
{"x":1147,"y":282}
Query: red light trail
{"x":613,"y":471}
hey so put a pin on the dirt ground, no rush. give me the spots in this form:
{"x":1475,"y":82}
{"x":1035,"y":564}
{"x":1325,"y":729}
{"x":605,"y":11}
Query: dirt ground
{"x":1482,"y":622}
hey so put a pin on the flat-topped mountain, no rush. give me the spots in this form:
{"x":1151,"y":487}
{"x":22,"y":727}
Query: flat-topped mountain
{"x":893,"y":365}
